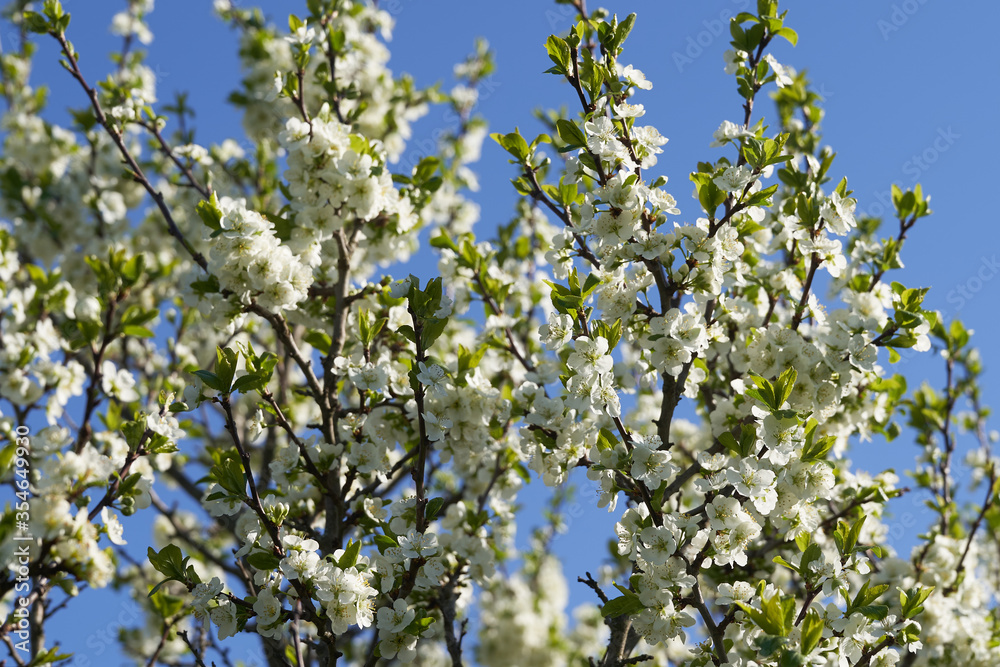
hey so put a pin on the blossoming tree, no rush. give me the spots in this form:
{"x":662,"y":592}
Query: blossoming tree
{"x":215,"y":321}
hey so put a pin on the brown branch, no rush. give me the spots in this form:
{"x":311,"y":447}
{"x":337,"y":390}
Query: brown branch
{"x":446,"y":603}
{"x":418,"y":472}
{"x":904,"y":226}
{"x":987,"y":504}
{"x":163,"y":642}
{"x":331,"y":56}
{"x":498,"y":310}
{"x":284,"y":334}
{"x":109,"y":495}
{"x":272,"y":530}
{"x":93,"y":399}
{"x":154,"y":129}
{"x":715,"y":631}
{"x":866,"y":658}
{"x":133,"y":165}
{"x":592,"y":583}
{"x":196,"y":653}
{"x":286,"y":425}
{"x":814,"y":263}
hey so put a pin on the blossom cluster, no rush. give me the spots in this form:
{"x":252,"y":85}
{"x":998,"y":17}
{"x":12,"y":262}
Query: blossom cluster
{"x":250,"y":260}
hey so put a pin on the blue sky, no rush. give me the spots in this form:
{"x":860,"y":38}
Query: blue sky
{"x":910,"y":97}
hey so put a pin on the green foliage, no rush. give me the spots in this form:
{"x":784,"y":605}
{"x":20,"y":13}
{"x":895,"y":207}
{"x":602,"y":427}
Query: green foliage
{"x":514,"y":144}
{"x":747,"y":443}
{"x":627,"y":603}
{"x":773,"y":395}
{"x":775,"y":615}
{"x":173,"y":565}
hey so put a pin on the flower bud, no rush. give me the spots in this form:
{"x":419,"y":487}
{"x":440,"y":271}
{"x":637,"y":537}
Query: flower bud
{"x":88,"y":309}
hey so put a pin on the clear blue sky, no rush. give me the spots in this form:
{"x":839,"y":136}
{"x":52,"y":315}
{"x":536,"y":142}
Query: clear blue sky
{"x":911,"y":96}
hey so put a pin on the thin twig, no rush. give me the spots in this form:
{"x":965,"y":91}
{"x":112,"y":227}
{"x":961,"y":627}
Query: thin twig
{"x":116,"y":136}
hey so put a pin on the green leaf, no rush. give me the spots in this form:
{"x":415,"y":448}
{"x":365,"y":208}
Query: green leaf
{"x":443,"y":240}
{"x":407,"y":332}
{"x":52,"y":655}
{"x":570,"y":134}
{"x":166,"y":605}
{"x":789,"y":34}
{"x":210,"y":379}
{"x":765,"y":392}
{"x":559,"y":53}
{"x":606,"y":439}
{"x":591,"y":74}
{"x":169,"y":562}
{"x":136,"y":331}
{"x":854,"y":534}
{"x":763,"y":198}
{"x":783,"y":387}
{"x":746,"y":444}
{"x":138,"y":315}
{"x":775,"y":615}
{"x":766,"y":8}
{"x":128,"y":484}
{"x":384,"y":542}
{"x":863,"y":602}
{"x":7,"y":456}
{"x":611,"y":333}
{"x":36,"y":23}
{"x":770,"y":646}
{"x":729,"y":442}
{"x":469,"y":360}
{"x":873,"y":612}
{"x":812,"y":552}
{"x":434,"y":506}
{"x":589,"y":285}
{"x":320,"y":340}
{"x":418,"y":625}
{"x":623,"y":30}
{"x":781,"y":561}
{"x":432,"y":330}
{"x":133,"y":432}
{"x":710,"y":196}
{"x":225,"y":367}
{"x":152,"y":591}
{"x":513,"y":143}
{"x":228,"y":473}
{"x":815,"y":449}
{"x":264,"y":561}
{"x":132,"y":270}
{"x":248,"y":383}
{"x":425,"y":169}
{"x":626,"y":604}
{"x":739,"y":35}
{"x":350,"y":557}
{"x":812,"y":632}
{"x":911,"y":601}
{"x":210,"y":213}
